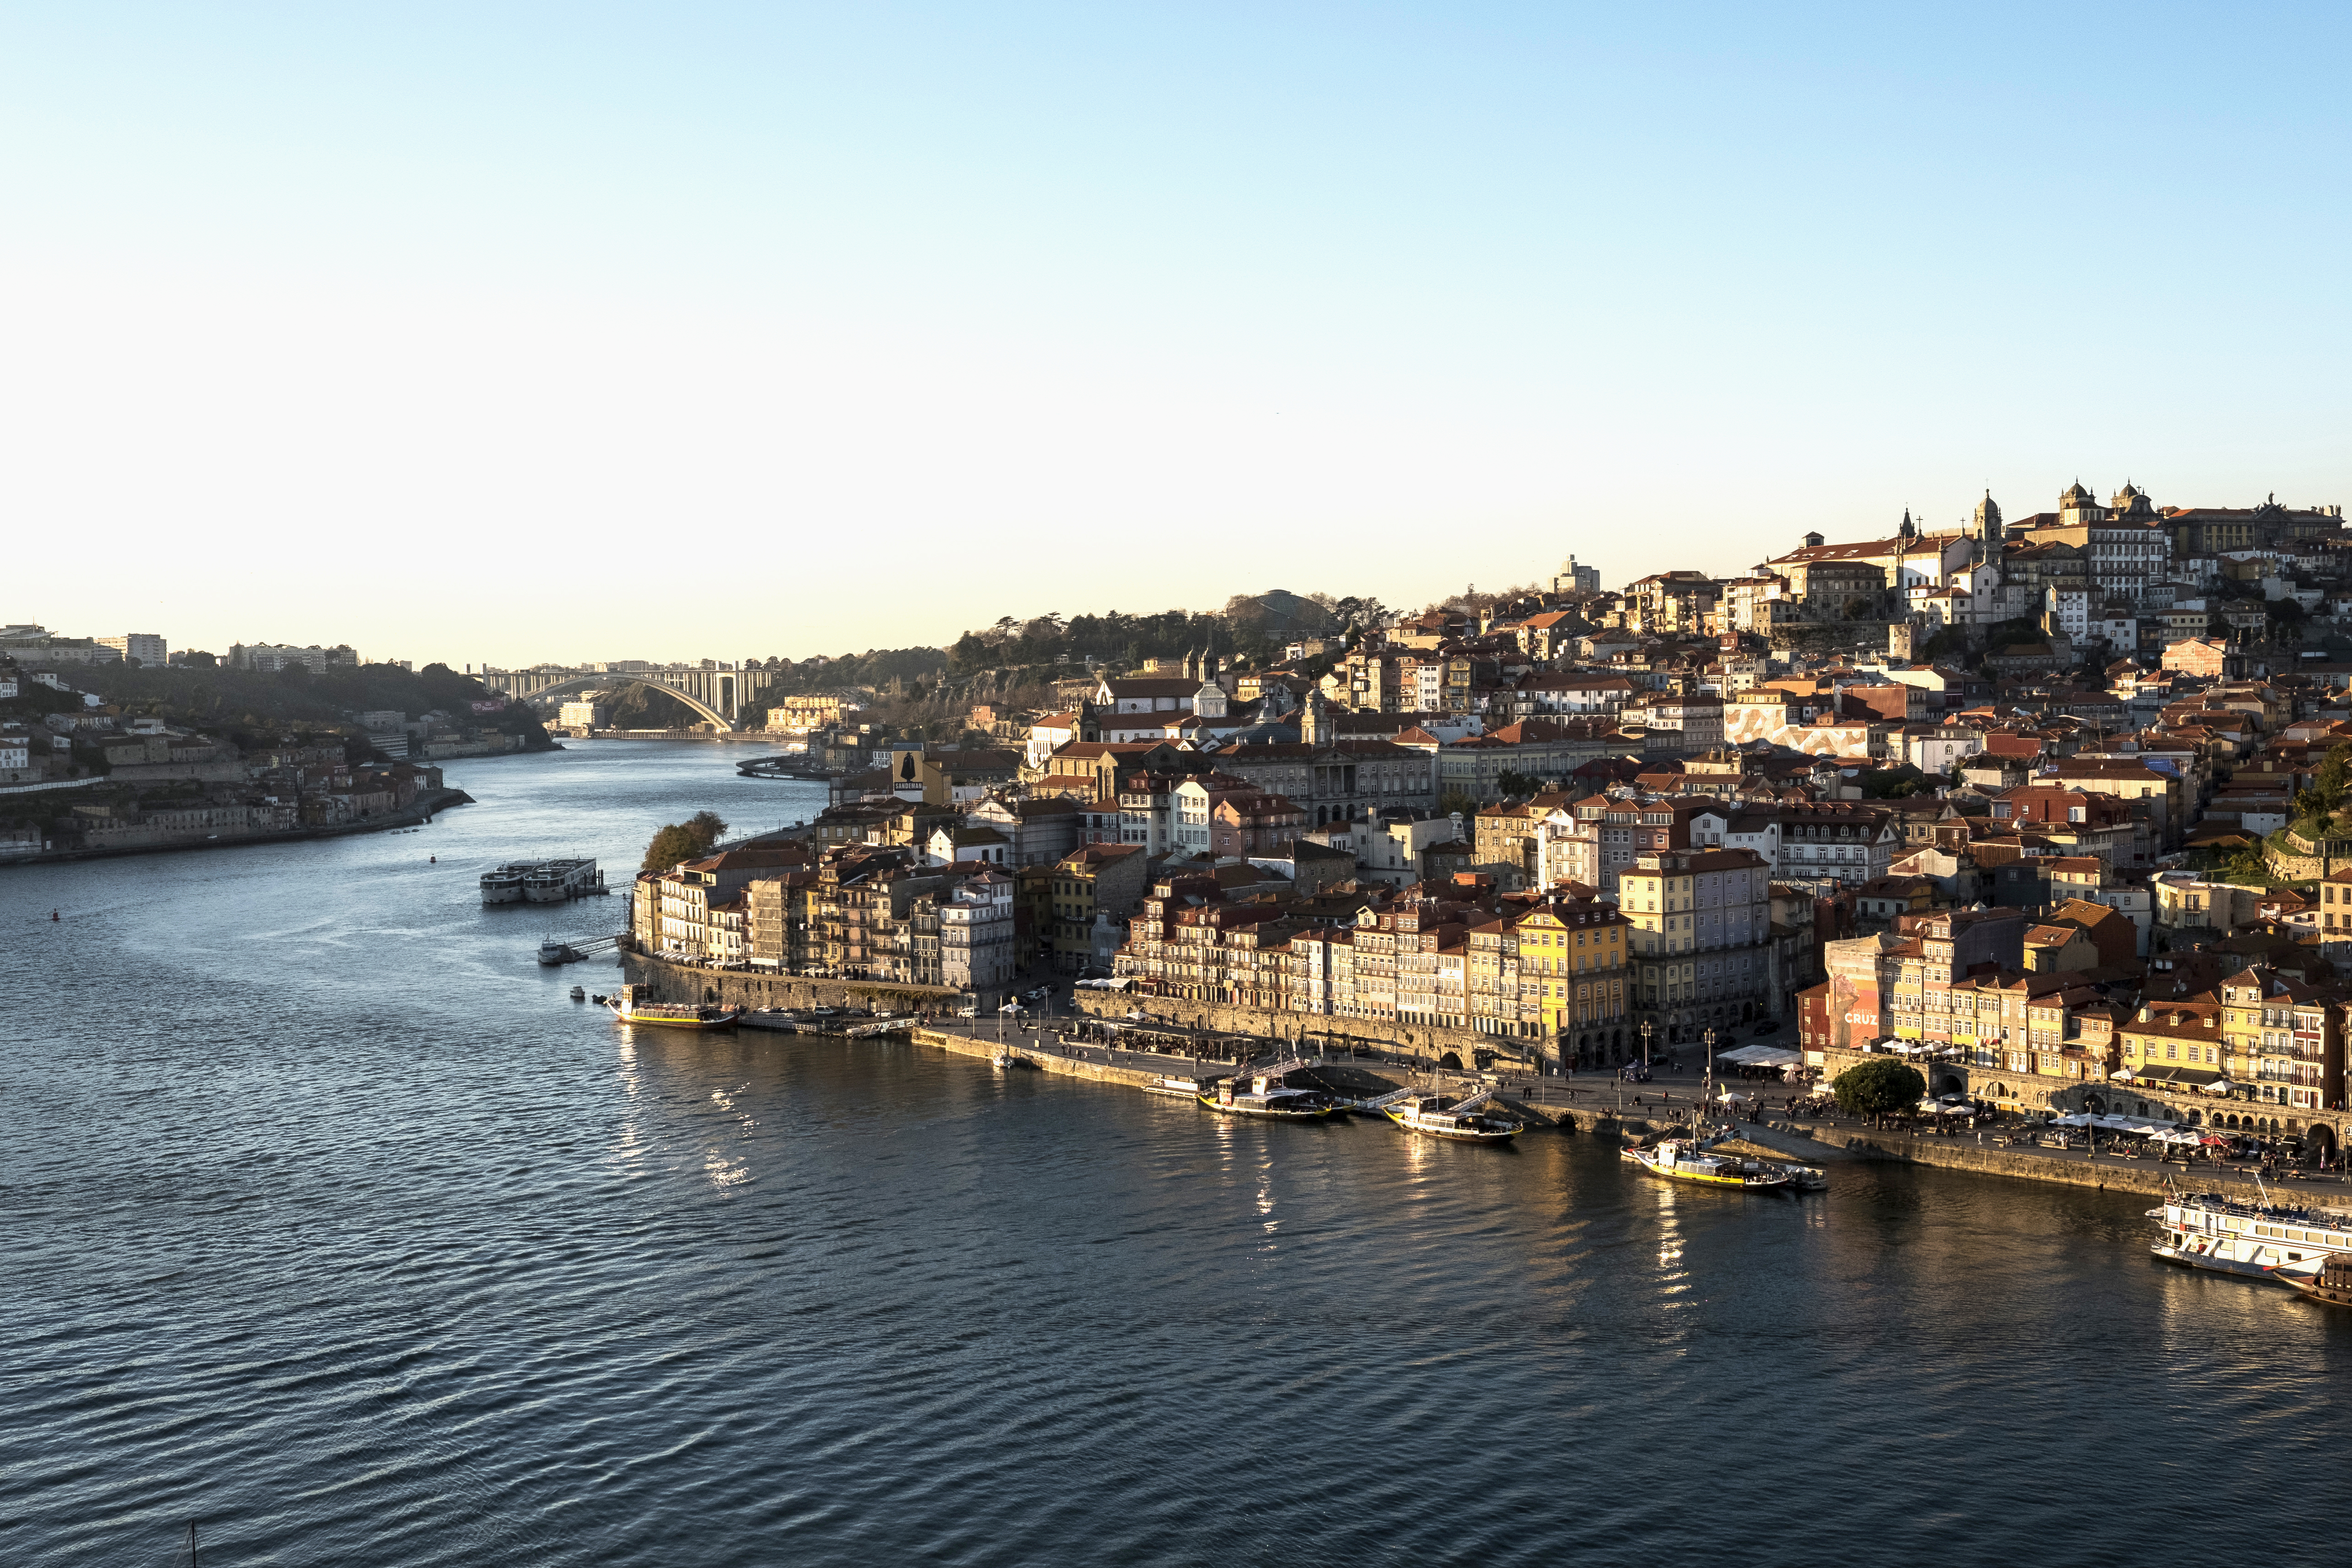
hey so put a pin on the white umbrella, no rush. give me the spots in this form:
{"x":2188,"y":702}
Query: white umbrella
{"x":2220,"y":1086}
{"x":2121,"y":1073}
{"x":1729,"y":1098}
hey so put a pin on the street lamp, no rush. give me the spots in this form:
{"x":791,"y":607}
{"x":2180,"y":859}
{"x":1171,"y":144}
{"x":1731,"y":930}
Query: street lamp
{"x":1645,"y":1042}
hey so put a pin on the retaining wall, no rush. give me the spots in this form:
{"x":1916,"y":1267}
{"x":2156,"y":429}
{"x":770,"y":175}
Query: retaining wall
{"x":667,"y":982}
{"x":1426,"y":1041}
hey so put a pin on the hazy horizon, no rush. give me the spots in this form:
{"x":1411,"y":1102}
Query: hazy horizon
{"x":727,"y":332}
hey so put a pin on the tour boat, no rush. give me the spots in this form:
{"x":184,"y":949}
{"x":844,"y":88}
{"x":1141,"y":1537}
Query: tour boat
{"x":1441,"y":1116}
{"x":2253,"y":1240}
{"x":2332,"y":1283}
{"x":1265,"y":1094}
{"x":552,"y":951}
{"x":673,"y":1015}
{"x":553,"y":881}
{"x":504,"y":885}
{"x":1684,"y":1159}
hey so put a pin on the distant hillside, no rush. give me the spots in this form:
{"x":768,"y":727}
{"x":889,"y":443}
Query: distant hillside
{"x":243,"y":700}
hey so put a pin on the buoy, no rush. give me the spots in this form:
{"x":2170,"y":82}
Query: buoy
{"x":432,"y":860}
{"x":53,"y":914}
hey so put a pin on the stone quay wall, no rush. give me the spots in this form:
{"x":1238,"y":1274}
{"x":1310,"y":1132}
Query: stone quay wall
{"x":663,"y":981}
{"x":1429,"y":1042}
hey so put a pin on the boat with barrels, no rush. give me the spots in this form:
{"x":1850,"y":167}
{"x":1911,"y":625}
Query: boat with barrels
{"x":1688,"y":1159}
{"x":629,"y":1007}
{"x":2332,"y":1283}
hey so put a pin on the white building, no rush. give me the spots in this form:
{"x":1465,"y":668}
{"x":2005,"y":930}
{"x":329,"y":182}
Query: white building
{"x":976,"y":949}
{"x":143,"y":646}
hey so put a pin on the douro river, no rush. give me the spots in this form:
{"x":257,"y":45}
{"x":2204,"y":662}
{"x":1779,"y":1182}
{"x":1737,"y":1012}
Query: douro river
{"x":331,"y":1226}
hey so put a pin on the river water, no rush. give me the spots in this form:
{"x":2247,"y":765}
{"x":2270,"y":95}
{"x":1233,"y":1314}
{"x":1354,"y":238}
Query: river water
{"x":326,"y":1222}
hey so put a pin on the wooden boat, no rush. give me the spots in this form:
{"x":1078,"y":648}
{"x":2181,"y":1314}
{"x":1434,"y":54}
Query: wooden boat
{"x":1265,"y":1094}
{"x":1685,"y":1159}
{"x":627,"y":1008}
{"x":2332,"y":1283}
{"x":1441,"y":1116}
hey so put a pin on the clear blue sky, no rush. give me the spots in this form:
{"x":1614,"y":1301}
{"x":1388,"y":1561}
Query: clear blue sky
{"x":511,"y":333}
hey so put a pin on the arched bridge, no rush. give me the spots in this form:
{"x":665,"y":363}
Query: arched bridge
{"x":549,"y":698}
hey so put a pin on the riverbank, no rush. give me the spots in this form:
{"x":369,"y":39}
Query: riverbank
{"x":427,"y":804}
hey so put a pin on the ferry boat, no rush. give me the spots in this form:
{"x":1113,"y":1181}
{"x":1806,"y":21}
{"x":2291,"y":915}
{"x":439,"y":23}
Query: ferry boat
{"x":627,"y":1008}
{"x":2332,"y":1284}
{"x":1265,"y":1094}
{"x":1685,"y":1159}
{"x":504,"y":885}
{"x":1441,"y":1117}
{"x":2254,"y":1241}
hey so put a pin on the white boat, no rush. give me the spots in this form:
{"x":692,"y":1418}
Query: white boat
{"x":579,"y":993}
{"x":553,"y":881}
{"x":552,"y":951}
{"x":1179,"y":1087}
{"x":1441,"y":1116}
{"x":2252,"y":1240}
{"x":1265,"y":1094}
{"x":504,"y":885}
{"x":1002,"y":1062}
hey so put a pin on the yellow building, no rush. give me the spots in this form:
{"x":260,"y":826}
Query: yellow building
{"x":1572,"y":977}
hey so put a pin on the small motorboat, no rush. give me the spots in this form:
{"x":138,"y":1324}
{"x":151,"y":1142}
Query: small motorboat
{"x":1178,"y":1087}
{"x":579,"y":993}
{"x":1002,"y":1062}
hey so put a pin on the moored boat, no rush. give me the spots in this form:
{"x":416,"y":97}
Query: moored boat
{"x":2331,"y":1282}
{"x":627,"y":1008}
{"x":1266,"y":1094}
{"x":1179,"y":1087}
{"x":1443,"y":1116}
{"x":504,"y":885}
{"x":2253,"y":1240}
{"x":1686,"y":1159}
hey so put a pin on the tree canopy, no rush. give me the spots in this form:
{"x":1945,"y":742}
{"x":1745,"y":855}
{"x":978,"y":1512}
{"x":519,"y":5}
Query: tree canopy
{"x":1875,"y":1087}
{"x":687,"y":840}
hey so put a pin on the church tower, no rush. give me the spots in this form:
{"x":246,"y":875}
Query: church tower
{"x":1314,"y":722}
{"x":1988,"y":524}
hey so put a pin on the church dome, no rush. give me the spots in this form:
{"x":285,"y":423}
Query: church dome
{"x":2077,"y":496}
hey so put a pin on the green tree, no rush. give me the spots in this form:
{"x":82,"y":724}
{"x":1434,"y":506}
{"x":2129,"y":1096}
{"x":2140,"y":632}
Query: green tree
{"x":687,"y":840}
{"x":1459,"y":799}
{"x":2334,"y":773}
{"x":1875,"y":1087}
{"x":1517,"y":784}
